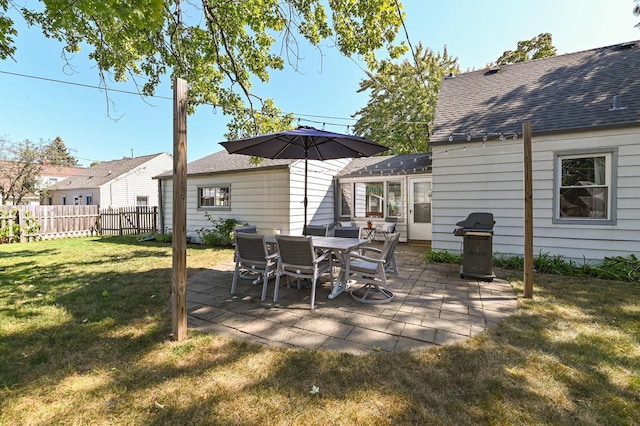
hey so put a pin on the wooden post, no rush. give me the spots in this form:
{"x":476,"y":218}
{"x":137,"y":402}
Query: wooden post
{"x":528,"y":211}
{"x":179,"y":238}
{"x":22,"y":223}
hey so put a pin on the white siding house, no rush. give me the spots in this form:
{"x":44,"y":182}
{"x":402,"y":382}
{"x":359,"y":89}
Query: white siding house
{"x":269,"y":196}
{"x":113,"y":184}
{"x":585,"y":153}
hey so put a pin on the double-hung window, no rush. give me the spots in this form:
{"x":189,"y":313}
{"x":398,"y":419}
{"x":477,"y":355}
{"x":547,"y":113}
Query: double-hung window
{"x":214,"y":196}
{"x":585,"y":187}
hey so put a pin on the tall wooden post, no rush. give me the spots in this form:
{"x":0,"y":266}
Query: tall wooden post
{"x":179,"y":239}
{"x":528,"y":211}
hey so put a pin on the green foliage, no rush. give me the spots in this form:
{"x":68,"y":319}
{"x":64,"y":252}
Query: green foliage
{"x":164,"y":238}
{"x":11,"y":232}
{"x":7,"y":32}
{"x":402,"y":100}
{"x":620,"y":268}
{"x":219,"y":47}
{"x":536,"y":48}
{"x":221,"y":235}
{"x":56,"y":153}
{"x":612,"y":268}
{"x":442,"y":257}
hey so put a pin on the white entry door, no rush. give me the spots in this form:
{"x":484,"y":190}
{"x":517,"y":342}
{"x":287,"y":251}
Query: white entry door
{"x":420,"y":209}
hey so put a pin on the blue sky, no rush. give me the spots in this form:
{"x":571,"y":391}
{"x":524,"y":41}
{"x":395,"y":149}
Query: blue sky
{"x":325,"y":85}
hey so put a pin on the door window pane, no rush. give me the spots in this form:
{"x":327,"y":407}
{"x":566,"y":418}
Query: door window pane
{"x":421,"y":202}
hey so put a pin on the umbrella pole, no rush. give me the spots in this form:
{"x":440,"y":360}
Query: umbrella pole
{"x":304,"y":226}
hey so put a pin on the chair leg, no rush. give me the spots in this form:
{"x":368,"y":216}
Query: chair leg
{"x":275,"y":291}
{"x":264,"y":284}
{"x":235,"y":278}
{"x":313,"y":291}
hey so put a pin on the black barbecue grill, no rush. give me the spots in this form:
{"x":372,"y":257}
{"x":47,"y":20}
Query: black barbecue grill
{"x":477,"y":247}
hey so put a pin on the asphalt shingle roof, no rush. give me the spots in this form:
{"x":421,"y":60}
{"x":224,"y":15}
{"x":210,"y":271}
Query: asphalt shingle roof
{"x":101,"y":173}
{"x":388,"y":165}
{"x":564,"y":92}
{"x":222,"y":161}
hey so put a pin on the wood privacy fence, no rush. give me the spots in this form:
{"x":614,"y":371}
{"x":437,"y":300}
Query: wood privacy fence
{"x":129,"y":220}
{"x":47,"y":222}
{"x":27,"y":223}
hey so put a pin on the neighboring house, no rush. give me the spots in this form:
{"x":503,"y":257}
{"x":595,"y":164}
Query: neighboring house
{"x":584,"y":109}
{"x":269,"y":196}
{"x":118,"y":183}
{"x":52,"y":175}
{"x":48,"y":176}
{"x":374,"y":188}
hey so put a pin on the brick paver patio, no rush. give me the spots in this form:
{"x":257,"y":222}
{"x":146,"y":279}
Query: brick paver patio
{"x":433,"y":306}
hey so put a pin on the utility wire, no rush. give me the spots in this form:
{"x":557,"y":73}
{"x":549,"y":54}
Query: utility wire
{"x":413,"y":53}
{"x":128,"y":92}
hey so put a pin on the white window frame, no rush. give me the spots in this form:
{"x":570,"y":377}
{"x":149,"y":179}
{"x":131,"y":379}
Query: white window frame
{"x":357,"y":211}
{"x":215,"y":188}
{"x":611,"y":166}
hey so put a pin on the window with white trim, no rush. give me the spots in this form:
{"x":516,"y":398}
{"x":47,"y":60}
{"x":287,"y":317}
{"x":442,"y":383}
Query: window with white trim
{"x":377,"y":199}
{"x":214,"y":196}
{"x":584,"y":187}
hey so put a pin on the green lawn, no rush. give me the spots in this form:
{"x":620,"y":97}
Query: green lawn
{"x":85,"y":339}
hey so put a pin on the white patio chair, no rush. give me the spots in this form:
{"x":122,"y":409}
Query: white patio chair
{"x":252,"y":256}
{"x":299,"y":260}
{"x":388,"y":227}
{"x":371,"y":267}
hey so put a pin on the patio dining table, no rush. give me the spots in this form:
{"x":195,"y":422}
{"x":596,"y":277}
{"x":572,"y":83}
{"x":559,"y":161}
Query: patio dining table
{"x":340,"y":248}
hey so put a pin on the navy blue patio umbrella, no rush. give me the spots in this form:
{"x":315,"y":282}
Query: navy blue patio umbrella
{"x":306,"y":143}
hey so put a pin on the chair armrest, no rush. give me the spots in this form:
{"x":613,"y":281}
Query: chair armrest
{"x":365,"y":249}
{"x":354,"y":255}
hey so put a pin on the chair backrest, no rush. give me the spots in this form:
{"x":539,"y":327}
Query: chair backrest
{"x":347,"y":232}
{"x":389,"y":247}
{"x":246,"y":229}
{"x":346,"y":224}
{"x":389,"y":227}
{"x":317,"y":230}
{"x":294,"y":250}
{"x":251,"y":247}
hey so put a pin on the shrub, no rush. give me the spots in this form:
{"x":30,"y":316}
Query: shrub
{"x":612,"y":268}
{"x":11,"y":233}
{"x":221,"y":235}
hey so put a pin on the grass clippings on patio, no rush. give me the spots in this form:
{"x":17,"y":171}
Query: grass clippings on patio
{"x":85,"y":339}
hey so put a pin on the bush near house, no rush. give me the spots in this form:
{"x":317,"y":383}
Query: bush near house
{"x":222,"y":233}
{"x":618,"y":268}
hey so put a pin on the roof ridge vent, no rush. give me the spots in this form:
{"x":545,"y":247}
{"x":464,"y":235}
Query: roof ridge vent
{"x":617,"y":104}
{"x":627,"y":45}
{"x":493,"y":70}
